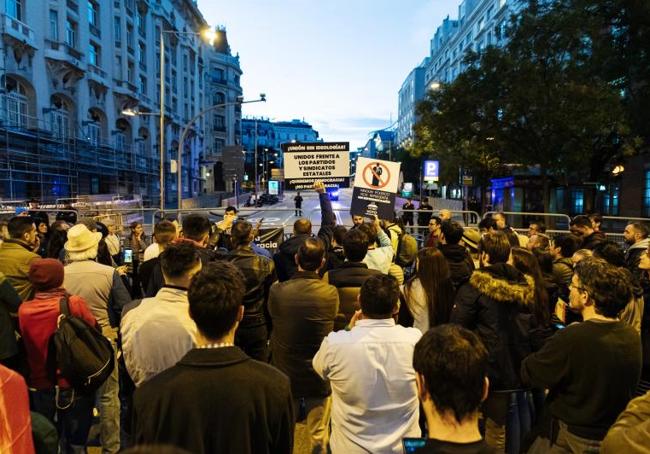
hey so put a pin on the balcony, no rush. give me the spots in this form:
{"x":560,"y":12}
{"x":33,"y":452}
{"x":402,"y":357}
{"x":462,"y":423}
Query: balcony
{"x":97,"y":74}
{"x":19,"y":32}
{"x":65,"y":53}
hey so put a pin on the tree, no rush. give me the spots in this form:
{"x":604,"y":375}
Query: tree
{"x":542,"y":100}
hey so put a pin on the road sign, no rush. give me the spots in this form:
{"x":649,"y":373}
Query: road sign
{"x":431,"y":170}
{"x":307,"y":162}
{"x":375,"y":186}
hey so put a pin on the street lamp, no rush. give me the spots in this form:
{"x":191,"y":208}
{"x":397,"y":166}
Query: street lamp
{"x":239,"y":101}
{"x":208,"y":36}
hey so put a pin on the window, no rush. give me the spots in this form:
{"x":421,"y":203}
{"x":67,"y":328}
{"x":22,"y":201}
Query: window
{"x":93,"y":14}
{"x":219,"y":122}
{"x":576,"y":201}
{"x":646,"y":194}
{"x":129,"y":37}
{"x":130,"y":72}
{"x":54,"y":25}
{"x":142,"y":54}
{"x":93,"y":54}
{"x":70,"y":33}
{"x":141,"y":24}
{"x":219,"y":145}
{"x":15,"y":9}
{"x":143,"y":85}
{"x":117,"y":29}
{"x":120,"y":141}
{"x":16,"y":107}
{"x":93,"y":131}
{"x":60,"y":123}
{"x":610,"y":200}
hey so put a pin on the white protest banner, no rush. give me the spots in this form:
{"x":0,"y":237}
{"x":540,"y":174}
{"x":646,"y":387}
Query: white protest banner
{"x":375,"y":186}
{"x":307,"y":162}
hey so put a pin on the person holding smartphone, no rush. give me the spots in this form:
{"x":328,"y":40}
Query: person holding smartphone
{"x":134,"y":247}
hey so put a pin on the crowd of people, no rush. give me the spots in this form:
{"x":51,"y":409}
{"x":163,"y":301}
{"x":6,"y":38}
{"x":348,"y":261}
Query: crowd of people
{"x":344,"y":340}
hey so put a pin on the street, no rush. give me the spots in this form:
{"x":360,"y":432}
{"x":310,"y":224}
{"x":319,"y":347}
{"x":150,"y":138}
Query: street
{"x":283,"y":213}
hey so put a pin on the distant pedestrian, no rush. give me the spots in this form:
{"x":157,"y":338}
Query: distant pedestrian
{"x":298,"y":201}
{"x":407,"y":212}
{"x":425,"y":211}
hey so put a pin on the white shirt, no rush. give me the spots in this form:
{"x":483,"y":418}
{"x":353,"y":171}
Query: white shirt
{"x":151,"y":252}
{"x":113,"y":243}
{"x":380,"y":258}
{"x":374,"y":395}
{"x":157,"y":334}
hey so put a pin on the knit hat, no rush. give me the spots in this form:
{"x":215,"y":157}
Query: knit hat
{"x":81,"y":239}
{"x":471,"y":237}
{"x":46,"y":274}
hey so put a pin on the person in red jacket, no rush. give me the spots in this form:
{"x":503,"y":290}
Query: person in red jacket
{"x":51,"y":395}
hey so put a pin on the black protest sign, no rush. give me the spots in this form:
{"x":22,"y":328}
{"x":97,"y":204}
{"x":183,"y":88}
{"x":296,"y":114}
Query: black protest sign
{"x":375,"y":187}
{"x":270,"y":239}
{"x":305,"y":163}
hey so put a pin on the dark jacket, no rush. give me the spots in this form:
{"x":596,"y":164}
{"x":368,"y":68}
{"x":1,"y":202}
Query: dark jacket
{"x":156,"y":280}
{"x":348,"y":279}
{"x":9,"y":303}
{"x":335,"y":258}
{"x":633,"y":257}
{"x":259,"y":274}
{"x":302,"y":310}
{"x":460,"y":263}
{"x":492,"y":304}
{"x":285,"y":262}
{"x":425,"y":211}
{"x":593,"y":240}
{"x":216,"y":400}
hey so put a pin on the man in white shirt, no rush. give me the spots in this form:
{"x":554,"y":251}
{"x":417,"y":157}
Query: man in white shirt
{"x":370,"y":370}
{"x":159,"y":331}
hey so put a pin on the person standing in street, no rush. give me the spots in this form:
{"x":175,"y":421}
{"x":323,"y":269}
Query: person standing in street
{"x":374,"y":394}
{"x":303,"y":310}
{"x":216,"y":399}
{"x":407,"y":213}
{"x":298,"y":201}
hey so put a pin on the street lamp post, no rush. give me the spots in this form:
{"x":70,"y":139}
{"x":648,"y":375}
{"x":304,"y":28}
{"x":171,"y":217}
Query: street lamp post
{"x":186,"y":130}
{"x":208,"y":35}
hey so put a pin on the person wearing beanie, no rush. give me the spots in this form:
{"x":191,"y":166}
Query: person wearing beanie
{"x":37,"y":318}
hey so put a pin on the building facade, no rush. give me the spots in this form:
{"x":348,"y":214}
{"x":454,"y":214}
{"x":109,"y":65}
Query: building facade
{"x":268,"y":136}
{"x":72,"y":70}
{"x":411,"y":92}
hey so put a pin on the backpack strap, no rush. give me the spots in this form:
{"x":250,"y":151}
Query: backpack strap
{"x":64,"y":308}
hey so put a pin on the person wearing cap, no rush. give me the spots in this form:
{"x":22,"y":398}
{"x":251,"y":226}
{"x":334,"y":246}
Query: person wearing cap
{"x":102,"y":288}
{"x":38,"y":322}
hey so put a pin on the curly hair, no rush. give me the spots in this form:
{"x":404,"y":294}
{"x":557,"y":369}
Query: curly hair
{"x":608,"y":286}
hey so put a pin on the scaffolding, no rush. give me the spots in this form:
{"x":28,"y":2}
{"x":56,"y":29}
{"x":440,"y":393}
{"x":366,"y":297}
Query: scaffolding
{"x":36,"y":162}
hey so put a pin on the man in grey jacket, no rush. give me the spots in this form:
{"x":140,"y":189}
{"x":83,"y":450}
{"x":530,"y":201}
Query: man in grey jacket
{"x":104,"y":292}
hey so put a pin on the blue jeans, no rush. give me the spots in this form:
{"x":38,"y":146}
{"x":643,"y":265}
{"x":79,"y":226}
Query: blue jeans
{"x":109,"y":411}
{"x":72,"y":416}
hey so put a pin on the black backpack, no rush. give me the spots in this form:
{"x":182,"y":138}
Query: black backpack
{"x":83,"y":356}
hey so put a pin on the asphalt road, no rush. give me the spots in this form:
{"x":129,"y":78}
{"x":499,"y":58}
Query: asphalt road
{"x":282,"y":214}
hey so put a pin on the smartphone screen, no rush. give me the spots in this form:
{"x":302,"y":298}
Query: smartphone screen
{"x":128,"y":255}
{"x":411,"y":444}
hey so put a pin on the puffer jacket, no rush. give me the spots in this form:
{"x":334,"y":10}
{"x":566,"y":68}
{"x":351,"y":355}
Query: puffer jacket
{"x":496,"y":304}
{"x":259,"y":274}
{"x":348,"y":279}
{"x":284,"y":259}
